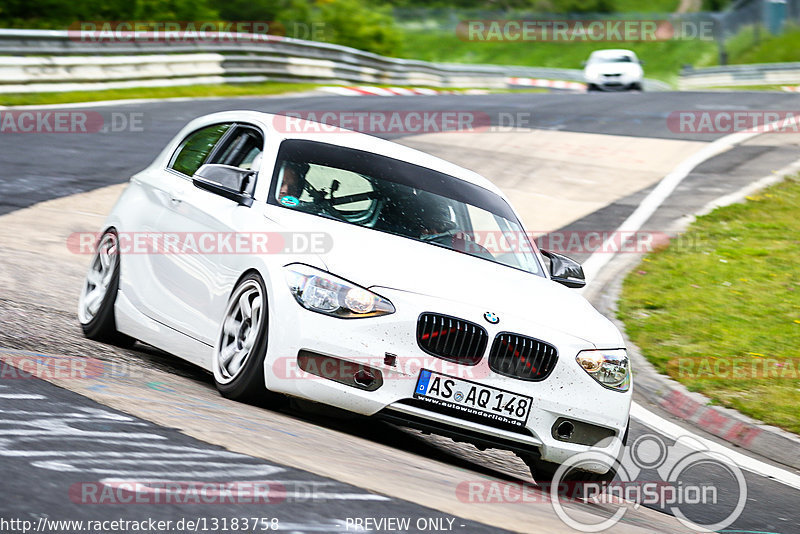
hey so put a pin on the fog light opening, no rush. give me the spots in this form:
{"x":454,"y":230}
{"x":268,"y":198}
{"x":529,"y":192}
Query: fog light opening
{"x":565,"y":430}
{"x":364,"y":378}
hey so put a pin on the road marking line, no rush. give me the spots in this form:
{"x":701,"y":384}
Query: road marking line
{"x":663,"y":190}
{"x":29,"y":396}
{"x":113,"y":454}
{"x":337,"y":496}
{"x":672,"y":430}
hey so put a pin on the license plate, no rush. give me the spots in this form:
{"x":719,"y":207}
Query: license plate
{"x":473,"y":398}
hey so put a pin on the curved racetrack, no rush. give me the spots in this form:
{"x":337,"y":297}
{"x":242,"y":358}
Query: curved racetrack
{"x":577,"y":161}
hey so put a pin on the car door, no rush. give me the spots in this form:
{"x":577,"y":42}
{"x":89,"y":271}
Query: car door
{"x":154,"y":192}
{"x":198,"y":277}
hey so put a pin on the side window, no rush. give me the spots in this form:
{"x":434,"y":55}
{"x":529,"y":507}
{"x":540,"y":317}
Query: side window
{"x":195,"y":148}
{"x":241,"y":149}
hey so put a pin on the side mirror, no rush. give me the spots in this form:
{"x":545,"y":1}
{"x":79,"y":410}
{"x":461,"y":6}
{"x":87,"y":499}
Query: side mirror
{"x":227,"y":181}
{"x":565,"y":270}
{"x":583,"y":63}
{"x":641,"y":62}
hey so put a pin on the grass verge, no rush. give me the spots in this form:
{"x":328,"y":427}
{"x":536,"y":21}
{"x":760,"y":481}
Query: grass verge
{"x":772,"y":87}
{"x":250,"y":89}
{"x":752,"y":45}
{"x":196,"y":91}
{"x":663,"y":59}
{"x":719,"y":308}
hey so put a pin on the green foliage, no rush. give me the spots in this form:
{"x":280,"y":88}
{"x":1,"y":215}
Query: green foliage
{"x":354,"y":23}
{"x":725,"y":293}
{"x":546,"y":6}
{"x":60,"y":13}
{"x":247,"y":10}
{"x":582,"y":6}
{"x":165,"y":10}
{"x":751,"y":46}
{"x":663,"y":59}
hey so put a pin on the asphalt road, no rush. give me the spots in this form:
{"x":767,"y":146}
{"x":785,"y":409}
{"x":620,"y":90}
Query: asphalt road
{"x":37,"y":167}
{"x":54,"y":443}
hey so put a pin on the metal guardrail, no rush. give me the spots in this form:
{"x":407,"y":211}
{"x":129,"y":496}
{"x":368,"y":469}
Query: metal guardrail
{"x":57,"y":60}
{"x":741,"y":75}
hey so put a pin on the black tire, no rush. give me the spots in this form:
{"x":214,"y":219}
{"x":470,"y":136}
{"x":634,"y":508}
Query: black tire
{"x":102,"y":326}
{"x":543,"y":472}
{"x":571,"y":485}
{"x":248,"y":384}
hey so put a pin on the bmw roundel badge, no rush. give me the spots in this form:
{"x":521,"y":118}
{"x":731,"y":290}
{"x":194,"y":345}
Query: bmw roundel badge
{"x":491,"y":317}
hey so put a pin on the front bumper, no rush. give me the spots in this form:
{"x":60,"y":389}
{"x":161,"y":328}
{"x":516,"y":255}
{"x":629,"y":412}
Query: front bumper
{"x":569,"y":392}
{"x":619,"y":83}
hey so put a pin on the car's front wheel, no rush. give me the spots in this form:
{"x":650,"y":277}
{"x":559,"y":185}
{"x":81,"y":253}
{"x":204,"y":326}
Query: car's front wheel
{"x":544,"y":472}
{"x":99,"y":293}
{"x":241,"y":347}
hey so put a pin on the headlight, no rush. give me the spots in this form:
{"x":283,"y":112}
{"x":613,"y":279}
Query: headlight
{"x":609,"y":367}
{"x":322,"y":292}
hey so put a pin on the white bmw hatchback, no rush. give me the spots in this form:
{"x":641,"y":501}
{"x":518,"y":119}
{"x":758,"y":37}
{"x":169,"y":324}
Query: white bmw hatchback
{"x":613,"y":70}
{"x":354,"y":272}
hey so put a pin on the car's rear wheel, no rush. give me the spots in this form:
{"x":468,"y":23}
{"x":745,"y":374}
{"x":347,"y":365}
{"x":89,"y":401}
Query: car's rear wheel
{"x":242,"y":343}
{"x":99,"y":293}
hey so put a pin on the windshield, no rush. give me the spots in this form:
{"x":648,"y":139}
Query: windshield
{"x":400,"y":198}
{"x":611,"y":59}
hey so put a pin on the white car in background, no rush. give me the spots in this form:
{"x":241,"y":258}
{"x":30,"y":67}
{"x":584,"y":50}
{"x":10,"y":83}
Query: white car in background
{"x":613,"y":70}
{"x":405,"y":315}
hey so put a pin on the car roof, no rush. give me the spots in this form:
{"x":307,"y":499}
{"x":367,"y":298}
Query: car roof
{"x":612,"y":52}
{"x":313,"y":131}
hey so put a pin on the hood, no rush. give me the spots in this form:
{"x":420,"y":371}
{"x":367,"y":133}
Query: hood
{"x":376,"y":259}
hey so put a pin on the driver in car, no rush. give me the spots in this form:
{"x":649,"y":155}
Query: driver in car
{"x":436,"y":224}
{"x":432,"y":216}
{"x":293,"y":179}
